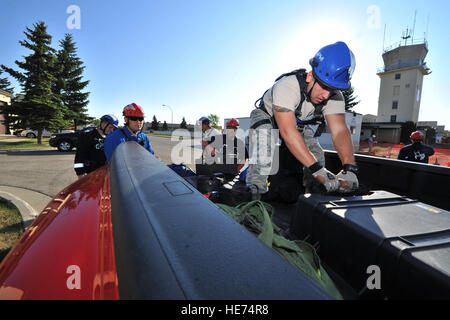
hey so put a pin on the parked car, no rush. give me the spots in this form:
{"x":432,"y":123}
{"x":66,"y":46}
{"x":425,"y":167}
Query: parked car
{"x":18,"y":132}
{"x":33,"y":133}
{"x":67,"y":141}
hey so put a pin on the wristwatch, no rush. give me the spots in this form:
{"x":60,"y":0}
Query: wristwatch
{"x":351,"y":168}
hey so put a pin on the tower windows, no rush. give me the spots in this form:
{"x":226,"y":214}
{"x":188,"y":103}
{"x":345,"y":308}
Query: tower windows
{"x":395,"y":105}
{"x":396,"y":90}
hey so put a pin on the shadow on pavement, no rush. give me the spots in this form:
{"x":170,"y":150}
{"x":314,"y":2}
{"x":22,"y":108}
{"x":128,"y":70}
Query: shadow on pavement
{"x":38,"y":153}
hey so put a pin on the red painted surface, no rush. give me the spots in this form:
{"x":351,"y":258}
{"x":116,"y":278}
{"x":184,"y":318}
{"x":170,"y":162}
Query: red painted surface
{"x":68,"y":252}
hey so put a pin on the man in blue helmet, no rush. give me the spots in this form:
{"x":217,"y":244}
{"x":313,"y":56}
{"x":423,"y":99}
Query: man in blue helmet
{"x":298,"y":105}
{"x":209,"y":135}
{"x":90,"y":154}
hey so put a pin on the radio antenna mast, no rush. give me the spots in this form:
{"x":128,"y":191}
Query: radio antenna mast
{"x":406,"y":36}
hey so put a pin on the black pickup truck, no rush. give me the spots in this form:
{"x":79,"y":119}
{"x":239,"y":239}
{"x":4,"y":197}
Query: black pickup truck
{"x":67,"y":141}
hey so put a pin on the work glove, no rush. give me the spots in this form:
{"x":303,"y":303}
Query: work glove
{"x":327,"y":178}
{"x":254,"y":191}
{"x":348,"y":182}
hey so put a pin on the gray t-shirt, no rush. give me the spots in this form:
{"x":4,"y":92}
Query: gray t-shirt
{"x":286,"y":93}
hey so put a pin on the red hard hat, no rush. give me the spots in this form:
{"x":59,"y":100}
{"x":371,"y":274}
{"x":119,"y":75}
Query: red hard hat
{"x":417,"y":135}
{"x":233,"y":123}
{"x":133,"y":110}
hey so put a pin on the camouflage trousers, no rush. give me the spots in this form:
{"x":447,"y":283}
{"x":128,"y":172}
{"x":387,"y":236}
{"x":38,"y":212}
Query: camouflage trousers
{"x":264,"y":152}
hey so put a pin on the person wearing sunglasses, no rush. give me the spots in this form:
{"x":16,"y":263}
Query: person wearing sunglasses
{"x":297,"y":105}
{"x":90,"y":154}
{"x":132,"y":131}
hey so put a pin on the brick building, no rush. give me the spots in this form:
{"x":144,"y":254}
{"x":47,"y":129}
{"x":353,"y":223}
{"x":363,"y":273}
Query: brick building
{"x":5,"y":98}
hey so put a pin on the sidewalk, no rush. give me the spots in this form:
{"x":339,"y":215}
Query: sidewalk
{"x":29,"y":203}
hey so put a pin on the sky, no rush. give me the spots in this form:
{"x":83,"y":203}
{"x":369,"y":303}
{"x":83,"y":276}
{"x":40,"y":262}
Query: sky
{"x":218,"y":57}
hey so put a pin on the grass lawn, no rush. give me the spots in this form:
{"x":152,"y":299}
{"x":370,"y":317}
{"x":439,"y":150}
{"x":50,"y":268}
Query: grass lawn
{"x":164,"y":135}
{"x":25,"y":144}
{"x":159,"y":135}
{"x":11,"y":228}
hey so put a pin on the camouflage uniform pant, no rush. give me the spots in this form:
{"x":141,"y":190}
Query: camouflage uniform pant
{"x":264,"y":152}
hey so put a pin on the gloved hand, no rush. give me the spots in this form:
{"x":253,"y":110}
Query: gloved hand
{"x":327,"y":178}
{"x":254,"y":191}
{"x":348,"y":181}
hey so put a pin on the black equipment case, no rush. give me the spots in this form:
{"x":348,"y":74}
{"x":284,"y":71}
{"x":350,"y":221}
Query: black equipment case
{"x":407,"y":240}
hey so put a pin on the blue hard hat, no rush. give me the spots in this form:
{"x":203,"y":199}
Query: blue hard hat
{"x":204,"y":120}
{"x":333,"y":66}
{"x":111,"y":119}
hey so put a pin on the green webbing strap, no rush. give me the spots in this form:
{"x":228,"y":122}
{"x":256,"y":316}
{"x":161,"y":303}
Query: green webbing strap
{"x":256,"y":216}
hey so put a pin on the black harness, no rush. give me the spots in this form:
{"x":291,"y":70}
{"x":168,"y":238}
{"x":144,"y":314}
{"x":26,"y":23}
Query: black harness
{"x":317,"y":118}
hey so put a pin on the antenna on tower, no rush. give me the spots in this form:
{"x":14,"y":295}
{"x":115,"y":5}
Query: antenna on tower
{"x":414,"y":27}
{"x":406,"y":36}
{"x":384,"y":35}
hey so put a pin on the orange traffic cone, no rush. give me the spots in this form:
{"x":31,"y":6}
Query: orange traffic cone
{"x":448,"y":164}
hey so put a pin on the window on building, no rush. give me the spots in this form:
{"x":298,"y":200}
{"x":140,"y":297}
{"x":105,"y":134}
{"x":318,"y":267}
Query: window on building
{"x":393,"y":118}
{"x":398,"y":76}
{"x":407,"y":85}
{"x":395,"y":105}
{"x":396,"y":90}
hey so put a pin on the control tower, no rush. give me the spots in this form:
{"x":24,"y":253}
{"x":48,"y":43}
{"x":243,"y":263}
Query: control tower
{"x":401,"y":81}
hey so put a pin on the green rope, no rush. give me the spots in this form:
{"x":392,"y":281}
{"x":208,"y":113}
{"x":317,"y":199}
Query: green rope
{"x":256,"y":217}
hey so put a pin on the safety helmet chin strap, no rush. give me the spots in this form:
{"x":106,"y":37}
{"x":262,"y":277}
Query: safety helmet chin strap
{"x":308,"y":93}
{"x":104,"y":129}
{"x":127,"y":124}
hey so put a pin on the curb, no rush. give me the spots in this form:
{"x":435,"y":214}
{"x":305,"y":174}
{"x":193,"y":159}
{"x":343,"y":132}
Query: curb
{"x":9,"y":151}
{"x":26,"y":211}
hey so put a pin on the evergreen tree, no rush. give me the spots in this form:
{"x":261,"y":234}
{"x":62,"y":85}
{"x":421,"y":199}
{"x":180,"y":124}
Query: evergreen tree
{"x":430,"y":135}
{"x":40,"y":108}
{"x":165,"y":127}
{"x":349,"y":99}
{"x":5,"y":85}
{"x":183,"y":124}
{"x":155,"y":124}
{"x":69,"y":85}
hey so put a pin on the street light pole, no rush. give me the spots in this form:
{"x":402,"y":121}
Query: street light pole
{"x":170,"y":111}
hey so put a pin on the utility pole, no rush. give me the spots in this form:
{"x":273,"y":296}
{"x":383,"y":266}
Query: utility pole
{"x":170,"y":111}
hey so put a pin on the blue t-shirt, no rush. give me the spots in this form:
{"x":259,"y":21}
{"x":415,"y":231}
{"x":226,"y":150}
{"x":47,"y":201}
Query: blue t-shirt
{"x":117,"y":137}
